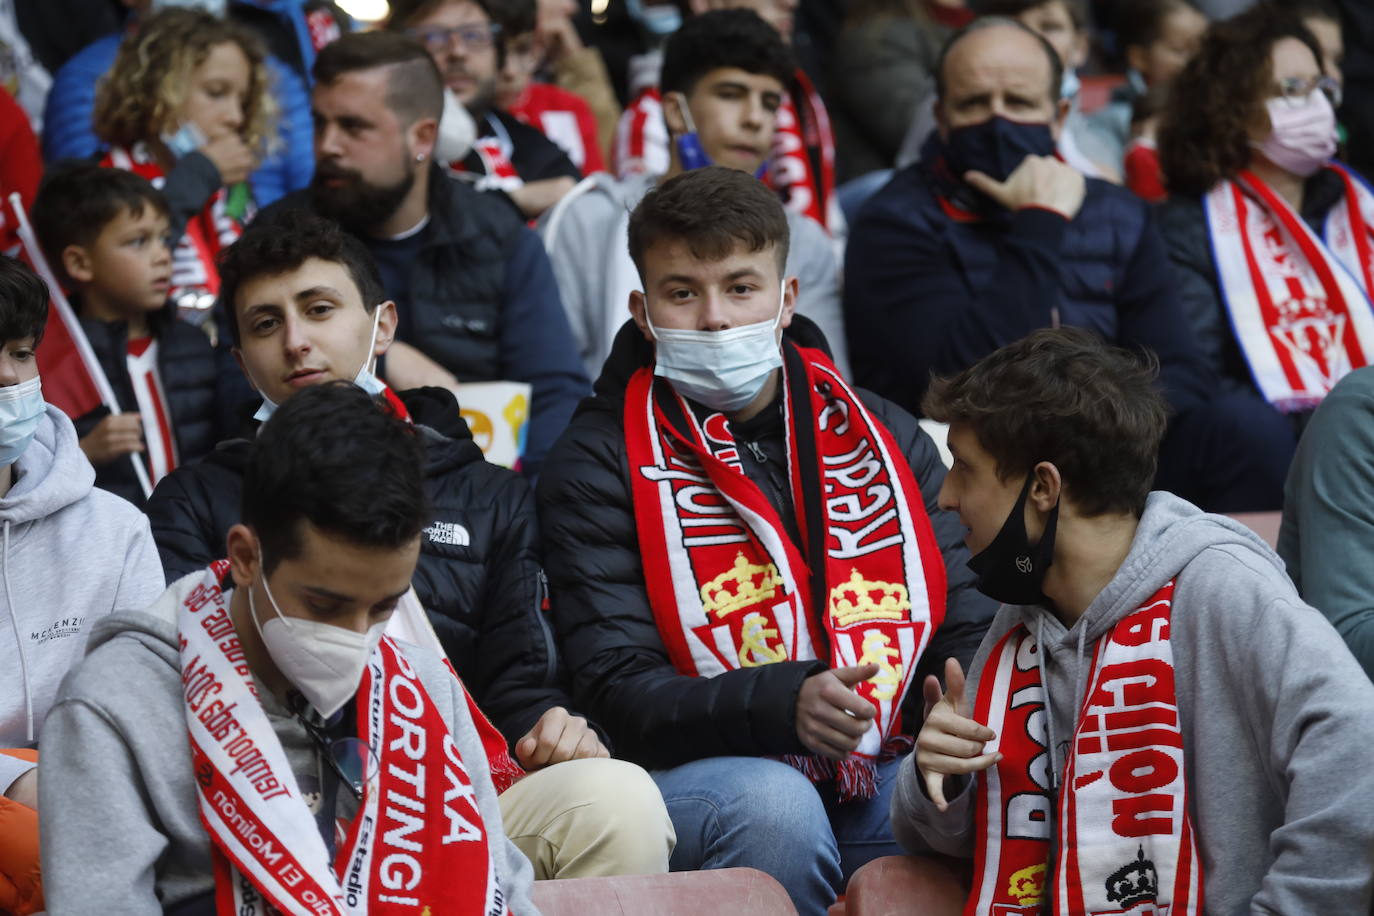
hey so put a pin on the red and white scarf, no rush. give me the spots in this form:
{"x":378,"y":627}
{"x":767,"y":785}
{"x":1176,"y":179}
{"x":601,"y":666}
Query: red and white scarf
{"x":207,"y":233}
{"x":418,"y":844}
{"x":1299,"y":306}
{"x":730,"y":589}
{"x":1123,"y":833}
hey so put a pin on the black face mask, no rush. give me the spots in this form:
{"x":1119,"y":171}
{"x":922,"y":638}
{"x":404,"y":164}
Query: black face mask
{"x":996,"y":146}
{"x":1009,"y":569}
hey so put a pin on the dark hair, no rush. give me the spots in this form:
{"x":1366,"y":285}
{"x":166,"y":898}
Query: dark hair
{"x":1315,"y":9}
{"x":1140,"y":23}
{"x":23,"y":302}
{"x":405,"y":12}
{"x":516,"y":17}
{"x":415,"y":89}
{"x":724,"y":38}
{"x":1204,"y":130}
{"x":1062,"y":395}
{"x":988,"y":22}
{"x":334,"y":457}
{"x":712,"y":210}
{"x":1078,"y":11}
{"x":78,"y":199}
{"x":278,"y":245}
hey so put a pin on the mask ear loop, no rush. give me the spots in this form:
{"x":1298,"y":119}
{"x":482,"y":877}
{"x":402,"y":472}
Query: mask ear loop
{"x":685,"y":111}
{"x":371,"y":356}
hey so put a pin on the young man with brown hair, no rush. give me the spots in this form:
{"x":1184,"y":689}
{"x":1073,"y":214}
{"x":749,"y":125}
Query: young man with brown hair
{"x":745,"y":554}
{"x":1155,"y":718}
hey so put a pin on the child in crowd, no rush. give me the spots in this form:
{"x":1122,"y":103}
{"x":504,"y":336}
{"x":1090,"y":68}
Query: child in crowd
{"x":69,"y":554}
{"x":105,"y":231}
{"x":186,"y":106}
{"x":1155,"y":718}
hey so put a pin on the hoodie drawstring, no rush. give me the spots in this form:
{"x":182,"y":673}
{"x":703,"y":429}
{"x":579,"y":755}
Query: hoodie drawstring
{"x":18,"y":639}
{"x":1045,"y":689}
{"x":1044,"y":685}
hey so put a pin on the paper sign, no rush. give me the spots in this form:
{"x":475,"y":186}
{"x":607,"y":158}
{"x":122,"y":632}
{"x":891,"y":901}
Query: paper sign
{"x":498,"y":414}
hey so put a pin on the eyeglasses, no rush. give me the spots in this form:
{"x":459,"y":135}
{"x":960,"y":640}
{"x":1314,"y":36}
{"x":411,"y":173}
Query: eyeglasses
{"x":1295,"y":90}
{"x":352,"y":759}
{"x":472,"y":36}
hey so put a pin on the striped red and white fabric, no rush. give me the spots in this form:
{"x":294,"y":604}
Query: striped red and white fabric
{"x":1299,"y":307}
{"x":152,"y":408}
{"x":1124,"y":838}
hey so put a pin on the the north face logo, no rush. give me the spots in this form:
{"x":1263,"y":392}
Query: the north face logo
{"x":450,"y":533}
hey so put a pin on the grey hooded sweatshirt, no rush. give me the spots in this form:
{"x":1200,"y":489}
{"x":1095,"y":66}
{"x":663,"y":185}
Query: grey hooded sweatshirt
{"x":121,"y":825}
{"x":69,"y":555}
{"x":1277,"y":719}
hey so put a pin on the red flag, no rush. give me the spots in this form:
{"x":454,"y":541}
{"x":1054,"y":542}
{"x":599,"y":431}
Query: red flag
{"x":73,"y":380}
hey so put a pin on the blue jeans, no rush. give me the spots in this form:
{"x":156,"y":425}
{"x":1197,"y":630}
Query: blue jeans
{"x":757,"y":813}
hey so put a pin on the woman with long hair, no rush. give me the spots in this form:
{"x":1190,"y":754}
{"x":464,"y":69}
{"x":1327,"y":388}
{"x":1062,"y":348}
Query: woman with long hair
{"x":1271,"y":239}
{"x":186,"y":106}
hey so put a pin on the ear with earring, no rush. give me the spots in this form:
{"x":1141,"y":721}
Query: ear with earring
{"x":419,"y":157}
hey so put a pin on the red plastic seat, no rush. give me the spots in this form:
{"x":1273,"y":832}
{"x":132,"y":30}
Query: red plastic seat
{"x":906,"y":886}
{"x":685,"y":893}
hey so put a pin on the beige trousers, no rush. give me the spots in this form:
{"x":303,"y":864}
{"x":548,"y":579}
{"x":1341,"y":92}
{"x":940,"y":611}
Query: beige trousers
{"x":589,"y":818}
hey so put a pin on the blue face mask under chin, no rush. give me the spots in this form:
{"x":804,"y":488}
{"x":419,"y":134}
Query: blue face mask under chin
{"x":364,"y":378}
{"x":691,"y":155}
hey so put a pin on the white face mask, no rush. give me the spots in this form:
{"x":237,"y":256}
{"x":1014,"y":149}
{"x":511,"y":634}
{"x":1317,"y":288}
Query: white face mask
{"x":364,"y":378}
{"x":723,"y":370}
{"x":324,"y":662}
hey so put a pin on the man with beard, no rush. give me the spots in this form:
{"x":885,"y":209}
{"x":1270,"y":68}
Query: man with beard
{"x":465,"y":39}
{"x":476,"y":297}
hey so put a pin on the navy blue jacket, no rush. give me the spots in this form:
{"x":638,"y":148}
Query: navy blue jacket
{"x":927,"y":293}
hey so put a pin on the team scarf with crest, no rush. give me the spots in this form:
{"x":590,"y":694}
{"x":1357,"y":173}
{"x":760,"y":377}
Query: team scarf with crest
{"x":1299,"y":305}
{"x":729,"y":588}
{"x":207,"y":233}
{"x":1122,"y":828}
{"x":418,"y":843}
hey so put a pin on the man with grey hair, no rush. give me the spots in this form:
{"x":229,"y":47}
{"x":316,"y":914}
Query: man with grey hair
{"x":991,"y":236}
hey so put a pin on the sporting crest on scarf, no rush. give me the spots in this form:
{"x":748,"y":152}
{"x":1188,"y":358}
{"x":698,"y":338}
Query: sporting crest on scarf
{"x":1299,"y":305}
{"x":729,"y":587}
{"x":1123,"y":831}
{"x":418,"y":843}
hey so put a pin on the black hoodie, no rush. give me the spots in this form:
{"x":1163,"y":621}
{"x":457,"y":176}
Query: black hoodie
{"x":478,"y":573}
{"x":620,"y":668}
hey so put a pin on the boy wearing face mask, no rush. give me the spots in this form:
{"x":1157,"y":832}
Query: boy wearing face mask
{"x":310,"y":309}
{"x":280,"y":750}
{"x":70,"y":554}
{"x":745,"y":558}
{"x":1155,"y":718}
{"x":723,"y":84}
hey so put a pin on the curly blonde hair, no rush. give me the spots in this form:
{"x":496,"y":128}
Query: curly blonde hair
{"x":139,"y":98}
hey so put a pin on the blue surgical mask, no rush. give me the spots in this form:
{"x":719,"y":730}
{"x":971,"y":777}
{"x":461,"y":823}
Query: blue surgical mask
{"x":724,"y":370}
{"x":21,"y":407}
{"x":691,"y":155}
{"x":186,"y":140}
{"x":364,"y":378}
{"x":1070,"y":84}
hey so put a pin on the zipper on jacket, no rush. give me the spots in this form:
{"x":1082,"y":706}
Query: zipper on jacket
{"x":541,"y":592}
{"x":757,"y":451}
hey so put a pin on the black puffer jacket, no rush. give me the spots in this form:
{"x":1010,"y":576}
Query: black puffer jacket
{"x":202,"y":385}
{"x":621,"y":671}
{"x":478,"y":572}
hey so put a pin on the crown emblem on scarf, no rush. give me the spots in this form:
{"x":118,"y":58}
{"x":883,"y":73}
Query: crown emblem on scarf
{"x":861,"y":600}
{"x":743,"y":585}
{"x":1028,"y":885}
{"x":1134,"y":883}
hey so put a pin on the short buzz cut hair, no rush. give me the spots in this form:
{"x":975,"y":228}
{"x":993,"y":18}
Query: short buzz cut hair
{"x":712,"y":211}
{"x":79,"y":198}
{"x":23,"y":302}
{"x":415,"y":89}
{"x":334,"y":457}
{"x":990,"y":22}
{"x":276,"y":246}
{"x":1062,"y":395}
{"x":735,"y":38}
